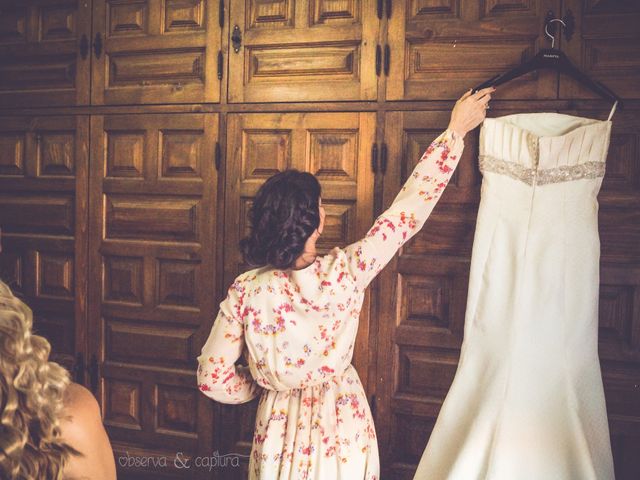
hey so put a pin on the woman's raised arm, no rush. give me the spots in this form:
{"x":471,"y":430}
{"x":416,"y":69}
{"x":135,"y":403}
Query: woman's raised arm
{"x":419,"y":195}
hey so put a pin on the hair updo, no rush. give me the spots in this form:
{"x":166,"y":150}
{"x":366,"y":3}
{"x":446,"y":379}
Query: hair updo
{"x":284,"y":214}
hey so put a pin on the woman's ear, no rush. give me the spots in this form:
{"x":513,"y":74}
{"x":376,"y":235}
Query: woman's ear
{"x":322,"y":216}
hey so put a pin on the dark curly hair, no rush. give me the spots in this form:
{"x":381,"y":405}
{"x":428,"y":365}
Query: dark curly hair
{"x":284,"y":214}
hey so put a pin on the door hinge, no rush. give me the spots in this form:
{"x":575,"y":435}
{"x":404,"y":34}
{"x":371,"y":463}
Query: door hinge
{"x":218,"y":156}
{"x":383,"y":158}
{"x":378,"y":59}
{"x":379,"y":10}
{"x":97,"y":45}
{"x":84,"y":46}
{"x":388,"y":8}
{"x":387,"y":59}
{"x":372,"y":405}
{"x":221,"y":13}
{"x":374,"y":158}
{"x":220,"y":61}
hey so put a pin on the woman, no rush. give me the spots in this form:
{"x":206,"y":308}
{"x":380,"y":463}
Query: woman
{"x":49,"y":428}
{"x":297,"y":316}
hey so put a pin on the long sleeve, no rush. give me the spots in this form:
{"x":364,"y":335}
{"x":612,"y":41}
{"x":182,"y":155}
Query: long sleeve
{"x":218,"y":376}
{"x":409,"y":211}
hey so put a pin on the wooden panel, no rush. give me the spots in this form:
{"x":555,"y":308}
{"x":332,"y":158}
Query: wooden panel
{"x":606,"y":46}
{"x":303,"y":51}
{"x":163,"y":51}
{"x":40,"y":62}
{"x":440,"y":48}
{"x":43,"y":217}
{"x":421,"y":313}
{"x":153,"y":288}
{"x":334,"y":146}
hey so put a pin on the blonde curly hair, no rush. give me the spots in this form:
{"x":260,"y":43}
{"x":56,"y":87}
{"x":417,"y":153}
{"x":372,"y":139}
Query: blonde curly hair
{"x":31,"y":398}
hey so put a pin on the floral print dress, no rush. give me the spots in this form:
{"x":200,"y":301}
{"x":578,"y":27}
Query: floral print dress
{"x":299,"y":327}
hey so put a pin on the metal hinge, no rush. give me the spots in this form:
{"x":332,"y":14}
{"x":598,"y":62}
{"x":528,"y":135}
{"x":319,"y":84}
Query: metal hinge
{"x":378,"y":59}
{"x":221,"y":13}
{"x":374,"y":158}
{"x":220,"y":59}
{"x":372,"y":405}
{"x":218,"y":156}
{"x":387,"y":59}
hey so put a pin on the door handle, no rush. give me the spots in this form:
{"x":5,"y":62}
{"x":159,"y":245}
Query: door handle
{"x":97,"y":45}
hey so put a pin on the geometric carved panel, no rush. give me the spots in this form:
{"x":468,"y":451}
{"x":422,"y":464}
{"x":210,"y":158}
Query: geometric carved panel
{"x":177,"y":408}
{"x":56,"y":154}
{"x":125,"y":154}
{"x":37,"y":213}
{"x":177,"y":283}
{"x":335,"y":11}
{"x":623,"y":162}
{"x":140,"y":343}
{"x":181,"y":153}
{"x":616,"y":314}
{"x":425,"y":301}
{"x":408,"y":438}
{"x":128,"y":18}
{"x":13,"y":22}
{"x":11,"y":264}
{"x":183,"y":66}
{"x":508,"y":6}
{"x":339,"y":225}
{"x":265,"y":152}
{"x":336,"y":62}
{"x":122,"y":406}
{"x":271,"y":13}
{"x":183,"y":15}
{"x":58,"y":329}
{"x":334,"y":154}
{"x":149,"y":218}
{"x":123,"y":279}
{"x":436,"y":7}
{"x":38,"y":73}
{"x":57,"y":23}
{"x":55,"y":274}
{"x":425,"y":373}
{"x":11,"y":154}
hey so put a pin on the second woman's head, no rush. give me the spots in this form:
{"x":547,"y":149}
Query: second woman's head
{"x":286,"y":214}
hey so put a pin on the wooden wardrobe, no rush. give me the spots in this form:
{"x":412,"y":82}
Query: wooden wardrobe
{"x":135,"y":133}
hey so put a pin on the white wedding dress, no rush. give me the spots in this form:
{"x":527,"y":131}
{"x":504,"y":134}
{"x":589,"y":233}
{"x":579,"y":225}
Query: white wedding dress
{"x":527,"y":402}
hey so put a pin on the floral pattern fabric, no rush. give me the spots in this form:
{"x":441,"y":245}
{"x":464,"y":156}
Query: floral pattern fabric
{"x":299,"y":329}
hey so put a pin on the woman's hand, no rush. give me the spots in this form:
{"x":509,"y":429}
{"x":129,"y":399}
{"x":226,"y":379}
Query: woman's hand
{"x":470,"y":110}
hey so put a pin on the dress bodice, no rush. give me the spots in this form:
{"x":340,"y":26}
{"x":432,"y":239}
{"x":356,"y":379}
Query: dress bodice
{"x":544,"y":148}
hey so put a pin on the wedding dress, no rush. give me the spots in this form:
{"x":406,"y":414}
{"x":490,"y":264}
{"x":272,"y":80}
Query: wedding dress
{"x":527,"y":402}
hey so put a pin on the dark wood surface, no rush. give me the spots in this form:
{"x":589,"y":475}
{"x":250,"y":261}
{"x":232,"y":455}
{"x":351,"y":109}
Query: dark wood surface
{"x":120,"y":232}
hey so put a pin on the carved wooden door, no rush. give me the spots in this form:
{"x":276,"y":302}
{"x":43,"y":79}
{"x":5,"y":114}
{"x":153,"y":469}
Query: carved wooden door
{"x":155,"y":51}
{"x":423,"y":293}
{"x":152,"y":280}
{"x":605,"y":45}
{"x":333,"y":146}
{"x":44,"y":52}
{"x":43,"y":217}
{"x":439,"y":49}
{"x":304,"y":50}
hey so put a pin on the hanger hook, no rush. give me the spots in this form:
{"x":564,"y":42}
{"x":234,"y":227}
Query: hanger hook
{"x":546,"y":29}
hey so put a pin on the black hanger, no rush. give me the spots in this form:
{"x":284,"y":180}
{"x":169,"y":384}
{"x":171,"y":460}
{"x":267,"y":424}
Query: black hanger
{"x":551,"y":58}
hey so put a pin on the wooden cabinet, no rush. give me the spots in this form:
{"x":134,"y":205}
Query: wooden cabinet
{"x":421,"y":313}
{"x":302,"y":50}
{"x":440,"y":49}
{"x":333,"y":146}
{"x":605,"y":46}
{"x":44,"y":52}
{"x":152,"y":282}
{"x":43,"y":216}
{"x":121,"y":215}
{"x":155,"y":51}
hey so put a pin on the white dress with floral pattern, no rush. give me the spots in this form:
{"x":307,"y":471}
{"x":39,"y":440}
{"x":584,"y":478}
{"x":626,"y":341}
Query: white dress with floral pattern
{"x":299,"y":327}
